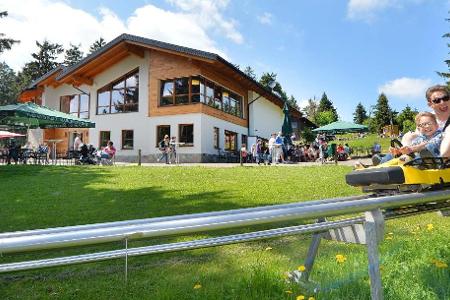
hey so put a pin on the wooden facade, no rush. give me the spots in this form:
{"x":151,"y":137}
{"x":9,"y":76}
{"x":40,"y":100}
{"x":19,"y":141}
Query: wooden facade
{"x":169,"y":66}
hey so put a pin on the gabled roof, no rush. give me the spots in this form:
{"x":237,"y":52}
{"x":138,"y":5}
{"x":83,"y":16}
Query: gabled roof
{"x":140,"y":40}
{"x":150,"y":43}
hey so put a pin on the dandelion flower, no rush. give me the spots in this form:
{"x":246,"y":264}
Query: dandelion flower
{"x":311,"y":298}
{"x":301,"y":268}
{"x":340,"y":258}
{"x":440,"y":264}
{"x":430,"y":227}
{"x":268,"y":248}
{"x":197,"y":286}
{"x":389,"y":237}
{"x":390,"y":233}
{"x":288,"y":292}
{"x":300,"y":297}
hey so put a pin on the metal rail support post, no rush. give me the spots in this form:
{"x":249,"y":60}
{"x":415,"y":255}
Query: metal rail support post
{"x":374,"y":226}
{"x":312,"y":253}
{"x":126,"y":259}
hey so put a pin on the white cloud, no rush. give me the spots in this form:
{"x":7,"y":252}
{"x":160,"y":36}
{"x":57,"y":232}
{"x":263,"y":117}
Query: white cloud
{"x":367,"y":10}
{"x":265,"y":18}
{"x":208,"y":13}
{"x":36,"y":20}
{"x":302,"y":103}
{"x":406,"y":88}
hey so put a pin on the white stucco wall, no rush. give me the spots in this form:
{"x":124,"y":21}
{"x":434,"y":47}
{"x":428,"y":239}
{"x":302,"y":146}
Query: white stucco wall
{"x":265,"y":117}
{"x":207,"y":131}
{"x":111,"y":122}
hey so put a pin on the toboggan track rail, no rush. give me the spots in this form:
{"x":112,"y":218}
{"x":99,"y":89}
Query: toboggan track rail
{"x":375,"y":208}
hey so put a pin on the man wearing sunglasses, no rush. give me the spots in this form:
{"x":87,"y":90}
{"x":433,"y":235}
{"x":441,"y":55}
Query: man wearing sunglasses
{"x":437,"y":99}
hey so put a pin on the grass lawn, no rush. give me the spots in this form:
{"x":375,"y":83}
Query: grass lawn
{"x":413,"y":255}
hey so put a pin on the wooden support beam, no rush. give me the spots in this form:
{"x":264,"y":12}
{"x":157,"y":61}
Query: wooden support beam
{"x":79,"y":80}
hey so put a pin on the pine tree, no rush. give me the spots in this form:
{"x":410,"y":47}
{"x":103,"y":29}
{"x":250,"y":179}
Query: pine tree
{"x":326,"y":105}
{"x":97,"y":45}
{"x":250,"y":72}
{"x":360,"y":114}
{"x":44,"y":60}
{"x":8,"y":80}
{"x":446,"y":75}
{"x":73,"y":55}
{"x":5,"y":43}
{"x":383,"y":114}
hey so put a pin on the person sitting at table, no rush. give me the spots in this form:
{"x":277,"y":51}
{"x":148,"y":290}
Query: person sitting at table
{"x":108,"y":152}
{"x":27,"y":150}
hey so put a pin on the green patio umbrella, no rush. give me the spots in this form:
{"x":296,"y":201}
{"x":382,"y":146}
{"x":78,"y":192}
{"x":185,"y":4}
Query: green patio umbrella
{"x":286,"y":129}
{"x":31,"y":115}
{"x":341,"y":127}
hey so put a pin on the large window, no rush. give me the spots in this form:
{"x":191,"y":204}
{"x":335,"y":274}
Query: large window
{"x":186,"y":134}
{"x":76,"y":105}
{"x":230,"y":141}
{"x":127,"y":139}
{"x":105,"y":136}
{"x":198,"y":89}
{"x":216,"y":138}
{"x":119,"y":96}
{"x":161,"y":131}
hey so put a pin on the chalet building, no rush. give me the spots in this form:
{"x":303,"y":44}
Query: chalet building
{"x":137,"y":90}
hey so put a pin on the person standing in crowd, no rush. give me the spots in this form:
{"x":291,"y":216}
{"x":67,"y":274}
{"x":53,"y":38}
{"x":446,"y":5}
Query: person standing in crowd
{"x":164,"y":148}
{"x":173,"y":150}
{"x":279,"y":148}
{"x":243,"y":153}
{"x":77,"y":142}
{"x":272,"y":153}
{"x":253,"y":153}
{"x":259,"y":152}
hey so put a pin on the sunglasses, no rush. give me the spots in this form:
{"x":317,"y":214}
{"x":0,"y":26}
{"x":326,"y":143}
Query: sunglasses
{"x":439,"y":100}
{"x":425,"y":124}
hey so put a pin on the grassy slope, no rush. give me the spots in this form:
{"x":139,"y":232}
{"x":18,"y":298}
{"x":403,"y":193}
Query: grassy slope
{"x":37,"y":197}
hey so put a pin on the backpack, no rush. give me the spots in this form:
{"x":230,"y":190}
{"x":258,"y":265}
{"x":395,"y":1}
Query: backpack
{"x":162,"y":145}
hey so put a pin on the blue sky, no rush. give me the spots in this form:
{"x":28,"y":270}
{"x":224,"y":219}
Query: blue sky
{"x":350,"y":49}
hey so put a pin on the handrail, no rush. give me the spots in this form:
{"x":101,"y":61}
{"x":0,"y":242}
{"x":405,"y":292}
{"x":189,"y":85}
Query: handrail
{"x":170,"y":218}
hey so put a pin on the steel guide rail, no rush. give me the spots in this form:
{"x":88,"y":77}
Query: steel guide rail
{"x":211,"y":242}
{"x":170,"y":218}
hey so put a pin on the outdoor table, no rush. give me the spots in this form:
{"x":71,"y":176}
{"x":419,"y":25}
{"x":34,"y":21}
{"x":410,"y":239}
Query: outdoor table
{"x":54,"y":142}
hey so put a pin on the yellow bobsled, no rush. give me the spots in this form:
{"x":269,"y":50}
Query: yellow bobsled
{"x":396,"y":175}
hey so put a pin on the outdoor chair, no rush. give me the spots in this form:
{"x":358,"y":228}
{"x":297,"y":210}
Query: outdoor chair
{"x":108,"y":161}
